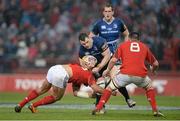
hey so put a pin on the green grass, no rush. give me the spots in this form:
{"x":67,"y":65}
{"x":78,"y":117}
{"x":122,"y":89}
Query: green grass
{"x":77,"y":114}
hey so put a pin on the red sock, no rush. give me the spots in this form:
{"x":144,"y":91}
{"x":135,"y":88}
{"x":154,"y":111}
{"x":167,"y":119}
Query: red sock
{"x":44,"y":101}
{"x":104,"y":98}
{"x":151,"y":98}
{"x":32,"y":95}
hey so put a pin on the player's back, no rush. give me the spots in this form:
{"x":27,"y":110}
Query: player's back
{"x":81,"y":76}
{"x":133,"y":55}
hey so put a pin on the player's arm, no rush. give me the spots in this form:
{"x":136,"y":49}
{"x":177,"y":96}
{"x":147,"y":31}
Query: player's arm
{"x":94,"y":29}
{"x":111,"y":64}
{"x":96,"y":88}
{"x":153,"y":61}
{"x":125,"y":33}
{"x":154,"y":66}
{"x":106,"y":57}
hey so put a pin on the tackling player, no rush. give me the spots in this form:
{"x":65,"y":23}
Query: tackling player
{"x":57,"y":78}
{"x":111,"y":28}
{"x":133,"y":55}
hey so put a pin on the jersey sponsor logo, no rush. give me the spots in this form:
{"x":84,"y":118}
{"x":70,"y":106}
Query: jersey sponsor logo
{"x":109,"y":32}
{"x":109,"y":29}
{"x":103,"y":27}
{"x":87,"y":53}
{"x":115,"y":26}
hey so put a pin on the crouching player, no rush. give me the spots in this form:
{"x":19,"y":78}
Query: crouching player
{"x":57,"y":78}
{"x":133,"y":55}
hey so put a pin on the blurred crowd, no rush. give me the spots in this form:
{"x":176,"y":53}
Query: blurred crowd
{"x":41,"y":33}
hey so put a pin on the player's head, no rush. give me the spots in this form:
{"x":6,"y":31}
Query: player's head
{"x":108,"y":12}
{"x":90,"y":61}
{"x":134,"y":36}
{"x":85,"y":40}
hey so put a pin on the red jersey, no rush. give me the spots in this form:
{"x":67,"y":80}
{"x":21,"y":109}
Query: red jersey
{"x":133,"y":55}
{"x":81,"y":76}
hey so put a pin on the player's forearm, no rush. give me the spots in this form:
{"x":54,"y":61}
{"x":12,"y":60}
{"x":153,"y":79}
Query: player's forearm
{"x":155,"y":66}
{"x":126,"y":35}
{"x":111,"y":64}
{"x":104,"y":61}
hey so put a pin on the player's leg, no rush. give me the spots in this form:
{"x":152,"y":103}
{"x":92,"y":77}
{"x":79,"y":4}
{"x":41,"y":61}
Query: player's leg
{"x":123,"y":90}
{"x":146,"y":83}
{"x":57,"y":94}
{"x":33,"y":94}
{"x":58,"y":77}
{"x":118,"y":81}
{"x":105,"y":97}
{"x":98,"y":96}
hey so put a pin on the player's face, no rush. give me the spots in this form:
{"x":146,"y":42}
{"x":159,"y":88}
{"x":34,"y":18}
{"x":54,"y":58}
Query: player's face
{"x":87,"y":43}
{"x":108,"y":13}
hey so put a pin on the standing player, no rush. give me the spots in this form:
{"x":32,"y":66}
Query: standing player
{"x":110,"y":28}
{"x":133,"y":55}
{"x":57,"y":78}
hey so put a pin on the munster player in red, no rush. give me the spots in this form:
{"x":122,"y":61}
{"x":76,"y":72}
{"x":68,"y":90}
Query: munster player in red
{"x":133,"y":55}
{"x":57,"y":78}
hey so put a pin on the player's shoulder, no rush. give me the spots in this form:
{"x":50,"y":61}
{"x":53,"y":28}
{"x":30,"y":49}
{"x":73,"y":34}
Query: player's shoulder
{"x":118,"y":20}
{"x":98,"y":40}
{"x":98,"y":21}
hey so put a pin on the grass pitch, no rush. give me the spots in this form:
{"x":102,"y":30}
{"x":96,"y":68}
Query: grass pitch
{"x":170,"y":106}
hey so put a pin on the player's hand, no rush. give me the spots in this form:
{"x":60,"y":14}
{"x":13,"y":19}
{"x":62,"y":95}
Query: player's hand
{"x":106,"y":73}
{"x":152,"y":69}
{"x":114,"y":93}
{"x":95,"y":70}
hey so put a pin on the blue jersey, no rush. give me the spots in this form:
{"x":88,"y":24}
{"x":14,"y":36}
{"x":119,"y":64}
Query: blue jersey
{"x":109,"y":31}
{"x":98,"y":47}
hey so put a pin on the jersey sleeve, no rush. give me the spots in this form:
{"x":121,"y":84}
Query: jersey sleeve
{"x":91,"y":79}
{"x":94,"y":28}
{"x":102,"y":44}
{"x":150,"y":57}
{"x":122,"y":25}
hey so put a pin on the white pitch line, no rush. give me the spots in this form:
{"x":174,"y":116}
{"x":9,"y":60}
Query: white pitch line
{"x":89,"y":106}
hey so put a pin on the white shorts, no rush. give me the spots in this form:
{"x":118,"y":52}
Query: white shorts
{"x":121,"y":80}
{"x":57,"y":76}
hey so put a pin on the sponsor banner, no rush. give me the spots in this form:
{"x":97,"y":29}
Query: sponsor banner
{"x":25,"y":82}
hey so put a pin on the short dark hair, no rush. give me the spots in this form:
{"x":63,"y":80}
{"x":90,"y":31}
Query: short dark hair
{"x":82,"y":36}
{"x":108,"y":5}
{"x":134,"y":35}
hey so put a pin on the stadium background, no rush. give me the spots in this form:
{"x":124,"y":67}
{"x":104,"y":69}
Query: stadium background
{"x":36,"y":34}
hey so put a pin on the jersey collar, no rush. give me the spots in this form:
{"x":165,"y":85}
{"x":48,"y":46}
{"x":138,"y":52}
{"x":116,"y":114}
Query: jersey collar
{"x":107,"y":21}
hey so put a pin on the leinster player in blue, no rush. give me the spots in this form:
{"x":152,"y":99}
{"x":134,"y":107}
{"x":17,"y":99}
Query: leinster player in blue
{"x":97,"y":47}
{"x":111,"y":29}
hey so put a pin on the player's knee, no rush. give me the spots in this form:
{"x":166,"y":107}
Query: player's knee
{"x":148,"y":86}
{"x":57,"y":97}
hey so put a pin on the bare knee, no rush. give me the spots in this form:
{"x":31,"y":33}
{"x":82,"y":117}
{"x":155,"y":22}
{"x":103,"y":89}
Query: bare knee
{"x":58,"y":93}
